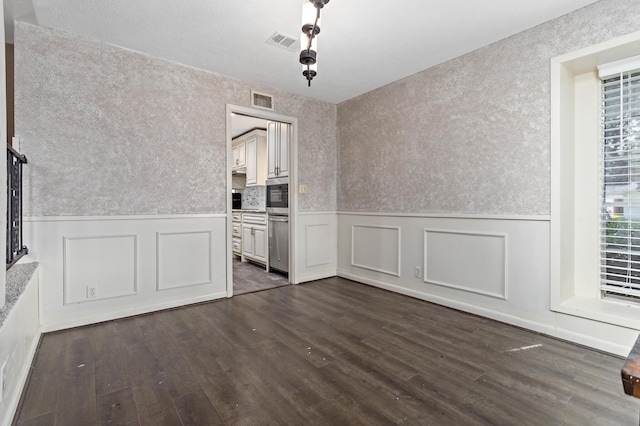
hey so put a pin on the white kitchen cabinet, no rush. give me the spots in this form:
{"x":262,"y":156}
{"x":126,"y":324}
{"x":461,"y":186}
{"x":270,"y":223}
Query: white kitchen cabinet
{"x":236,"y":233}
{"x":255,"y":243}
{"x":237,"y":229}
{"x":278,"y":142}
{"x":236,"y":245}
{"x":238,"y":152}
{"x":256,"y":157}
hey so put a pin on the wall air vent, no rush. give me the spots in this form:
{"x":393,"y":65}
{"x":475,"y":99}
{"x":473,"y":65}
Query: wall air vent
{"x":261,"y":100}
{"x":285,"y":41}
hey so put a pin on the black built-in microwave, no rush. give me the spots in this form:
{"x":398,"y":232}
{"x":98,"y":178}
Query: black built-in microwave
{"x":278,"y":196}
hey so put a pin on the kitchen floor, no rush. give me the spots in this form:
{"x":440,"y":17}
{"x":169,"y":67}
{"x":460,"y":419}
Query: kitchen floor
{"x":249,"y":277}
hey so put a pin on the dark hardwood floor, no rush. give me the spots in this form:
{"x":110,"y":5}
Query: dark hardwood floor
{"x":331,"y":352}
{"x":249,"y":277}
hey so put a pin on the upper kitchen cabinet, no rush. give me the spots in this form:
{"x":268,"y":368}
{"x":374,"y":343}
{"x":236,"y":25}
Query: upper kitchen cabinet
{"x":250,"y":153}
{"x":278,"y":139}
{"x":256,"y":146}
{"x":238,"y":153}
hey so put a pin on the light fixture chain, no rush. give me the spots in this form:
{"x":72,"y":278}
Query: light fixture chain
{"x":308,"y":56}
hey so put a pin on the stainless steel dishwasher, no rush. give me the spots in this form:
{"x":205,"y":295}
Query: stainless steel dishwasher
{"x":279,"y":243}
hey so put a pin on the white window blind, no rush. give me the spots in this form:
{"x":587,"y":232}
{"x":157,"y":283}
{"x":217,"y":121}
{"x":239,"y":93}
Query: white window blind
{"x":620,"y":185}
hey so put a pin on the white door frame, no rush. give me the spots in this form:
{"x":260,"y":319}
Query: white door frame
{"x":293,"y":183}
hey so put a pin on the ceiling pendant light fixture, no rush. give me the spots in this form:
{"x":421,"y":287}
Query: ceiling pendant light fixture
{"x":310,"y":30}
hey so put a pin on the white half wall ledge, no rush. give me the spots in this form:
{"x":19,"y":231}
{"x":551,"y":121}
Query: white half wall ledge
{"x":19,"y":337}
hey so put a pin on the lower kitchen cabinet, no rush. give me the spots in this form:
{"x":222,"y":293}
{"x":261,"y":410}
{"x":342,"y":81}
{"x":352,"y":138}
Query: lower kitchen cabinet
{"x":236,"y":244}
{"x":236,"y":233}
{"x":255,"y":243}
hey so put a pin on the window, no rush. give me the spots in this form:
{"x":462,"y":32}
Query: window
{"x":620,"y":180}
{"x":581,"y":206}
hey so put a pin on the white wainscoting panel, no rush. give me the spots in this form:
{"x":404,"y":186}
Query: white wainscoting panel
{"x":469,"y":261}
{"x":184,"y":259}
{"x":317,"y":238}
{"x":510,"y":251}
{"x":316,"y":245}
{"x":376,"y":248}
{"x":137,"y":264}
{"x":105,"y":263}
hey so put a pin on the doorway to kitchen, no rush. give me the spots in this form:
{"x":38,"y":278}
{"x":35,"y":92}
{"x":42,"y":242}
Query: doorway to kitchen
{"x":261,"y":152}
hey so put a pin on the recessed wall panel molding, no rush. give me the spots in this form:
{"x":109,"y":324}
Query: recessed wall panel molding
{"x":376,"y":248}
{"x":183,"y":259}
{"x":469,"y":261}
{"x":99,"y":267}
{"x":317,"y":251}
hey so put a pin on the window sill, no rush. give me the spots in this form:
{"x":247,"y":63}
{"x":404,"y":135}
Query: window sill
{"x":615,"y":312}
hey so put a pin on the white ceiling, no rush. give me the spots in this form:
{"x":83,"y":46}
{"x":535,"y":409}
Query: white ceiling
{"x":363,"y":44}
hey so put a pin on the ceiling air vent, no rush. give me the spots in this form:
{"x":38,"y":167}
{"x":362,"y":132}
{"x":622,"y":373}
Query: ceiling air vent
{"x":261,"y":100}
{"x":282,"y":40}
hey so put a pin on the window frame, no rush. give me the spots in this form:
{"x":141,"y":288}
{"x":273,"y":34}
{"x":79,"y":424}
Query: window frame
{"x":574,"y":226}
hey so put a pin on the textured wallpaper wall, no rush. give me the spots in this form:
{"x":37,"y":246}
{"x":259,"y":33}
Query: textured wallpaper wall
{"x":471,"y":135}
{"x":108,"y":131}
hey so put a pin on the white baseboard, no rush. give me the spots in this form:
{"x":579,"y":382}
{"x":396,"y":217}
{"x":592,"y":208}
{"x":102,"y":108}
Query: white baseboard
{"x":534,"y":326}
{"x":306,"y":277}
{"x":62,"y":324}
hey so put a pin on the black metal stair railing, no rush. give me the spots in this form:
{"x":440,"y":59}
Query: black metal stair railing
{"x":15,"y":247}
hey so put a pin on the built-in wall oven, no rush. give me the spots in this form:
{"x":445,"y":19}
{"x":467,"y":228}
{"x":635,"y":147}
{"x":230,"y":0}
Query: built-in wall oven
{"x":278,"y":196}
{"x":278,"y":217}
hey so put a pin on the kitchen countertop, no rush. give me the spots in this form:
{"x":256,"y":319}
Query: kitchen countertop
{"x":249,"y":211}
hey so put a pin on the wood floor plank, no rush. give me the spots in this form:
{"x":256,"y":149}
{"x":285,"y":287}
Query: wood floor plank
{"x":150,"y":392}
{"x":43,"y":420}
{"x":176,"y":374}
{"x":233,"y":392}
{"x":41,"y":396}
{"x":167,"y":416}
{"x":152,"y":328}
{"x":110,"y":364}
{"x":117,"y":408}
{"x":196,"y":409}
{"x":46,"y":376}
{"x":327,"y":352}
{"x":77,"y":405}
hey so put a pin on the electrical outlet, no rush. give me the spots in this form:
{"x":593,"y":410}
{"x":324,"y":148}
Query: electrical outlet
{"x":3,"y":382}
{"x":92,"y":292}
{"x":418,"y":272}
